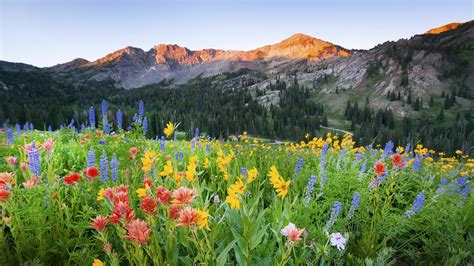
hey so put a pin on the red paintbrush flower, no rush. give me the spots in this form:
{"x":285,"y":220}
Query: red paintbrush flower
{"x":91,"y":172}
{"x":122,"y":211}
{"x":187,"y":216}
{"x":184,"y":195}
{"x":163,"y":194}
{"x":148,"y":205}
{"x":4,"y":194}
{"x":99,"y":223}
{"x":174,"y":211}
{"x":379,"y":169}
{"x":72,"y":178}
{"x":397,"y":160}
{"x":138,"y":231}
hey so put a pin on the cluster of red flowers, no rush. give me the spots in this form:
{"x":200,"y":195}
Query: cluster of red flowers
{"x":137,"y":230}
{"x":397,"y":160}
{"x":72,"y":178}
{"x":6,"y":179}
{"x":379,"y":169}
{"x":91,"y":172}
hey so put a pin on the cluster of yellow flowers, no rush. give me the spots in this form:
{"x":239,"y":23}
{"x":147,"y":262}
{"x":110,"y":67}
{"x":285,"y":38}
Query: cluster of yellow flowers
{"x":191,"y":169}
{"x":279,"y":184}
{"x":238,"y":188}
{"x":222,"y":163}
{"x":148,"y":160}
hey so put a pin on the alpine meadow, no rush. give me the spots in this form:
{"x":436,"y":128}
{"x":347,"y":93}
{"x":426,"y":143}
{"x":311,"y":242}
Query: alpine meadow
{"x":300,"y":152}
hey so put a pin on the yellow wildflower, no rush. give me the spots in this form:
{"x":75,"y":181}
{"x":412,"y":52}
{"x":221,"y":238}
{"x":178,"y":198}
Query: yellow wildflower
{"x":169,"y":129}
{"x":238,"y":187}
{"x":168,"y":169}
{"x":97,"y":262}
{"x":252,"y":175}
{"x":206,"y":163}
{"x":100,"y":194}
{"x":233,"y":201}
{"x":279,"y":184}
{"x":142,"y":192}
{"x":202,"y":219}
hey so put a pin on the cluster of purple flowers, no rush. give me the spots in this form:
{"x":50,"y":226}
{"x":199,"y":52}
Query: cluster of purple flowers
{"x":162,"y":144}
{"x":145,"y":125}
{"x":92,"y":117}
{"x":298,"y":167}
{"x":417,"y":205}
{"x":309,"y":189}
{"x":118,"y":118}
{"x":104,"y":168}
{"x":34,"y":159}
{"x":114,"y":164}
{"x":91,"y":158}
{"x":354,"y":204}
{"x":388,"y":150}
{"x":11,"y":138}
{"x":336,"y":209}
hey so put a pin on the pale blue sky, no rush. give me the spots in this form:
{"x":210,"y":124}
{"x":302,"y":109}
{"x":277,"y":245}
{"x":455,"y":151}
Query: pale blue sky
{"x":47,"y":32}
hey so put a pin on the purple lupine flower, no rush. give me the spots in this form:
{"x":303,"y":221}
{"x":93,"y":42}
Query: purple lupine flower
{"x":324,"y":177}
{"x":162,"y":144}
{"x":61,"y":127}
{"x":181,"y":155}
{"x":298,"y":167}
{"x":103,"y":108}
{"x":141,"y":108}
{"x":363,"y":167}
{"x":18,"y":129}
{"x":10,"y":136}
{"x":106,"y":129}
{"x":382,"y":178}
{"x":208,"y":147}
{"x":358,"y":157}
{"x":417,"y":163}
{"x":114,"y":164}
{"x":135,"y":118}
{"x":91,"y":158}
{"x":104,"y":168}
{"x":342,"y":154}
{"x":71,"y":124}
{"x":193,"y":144}
{"x":417,"y":205}
{"x":31,"y":127}
{"x":196,"y":133}
{"x":441,"y":188}
{"x":145,"y":125}
{"x":176,"y":156}
{"x":119,"y":119}
{"x":92,"y":117}
{"x":355,"y":202}
{"x":309,"y":189}
{"x":460,"y":183}
{"x":26,"y":127}
{"x":49,"y":128}
{"x":388,"y":149}
{"x":129,"y":128}
{"x":34,"y":159}
{"x":323,"y":166}
{"x":324,"y":151}
{"x":407,"y":148}
{"x":243,"y":171}
{"x":336,"y":209}
{"x":83,"y":126}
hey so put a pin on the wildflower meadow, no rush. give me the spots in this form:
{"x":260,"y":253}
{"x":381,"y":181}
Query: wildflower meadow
{"x":100,"y":194}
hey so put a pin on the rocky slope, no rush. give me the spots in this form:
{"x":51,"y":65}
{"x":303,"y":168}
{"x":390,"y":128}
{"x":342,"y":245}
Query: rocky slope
{"x":132,"y":67}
